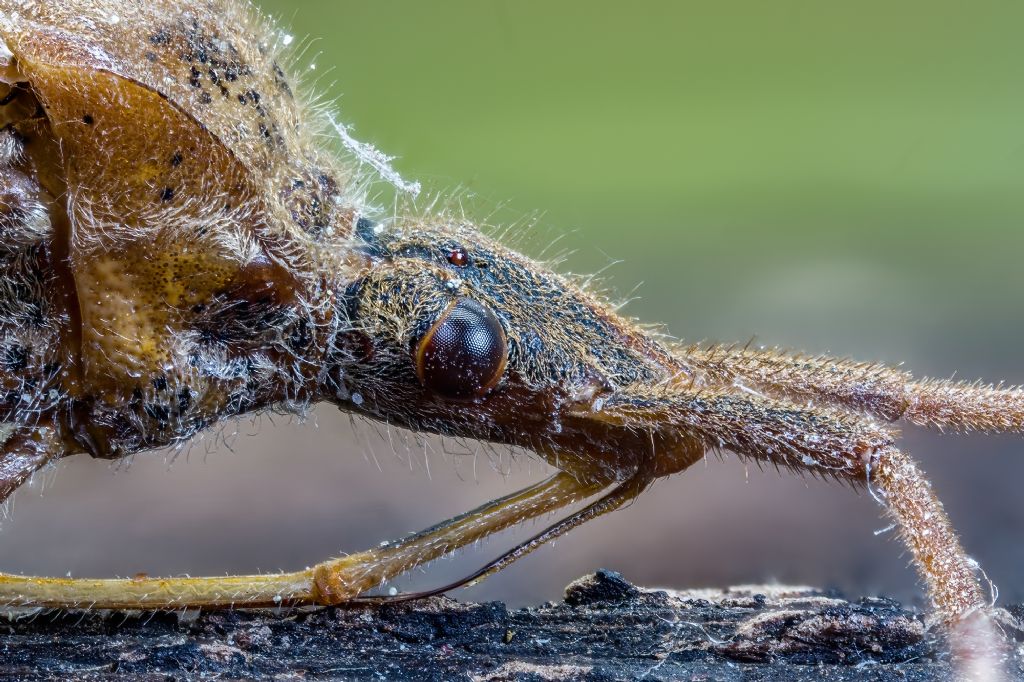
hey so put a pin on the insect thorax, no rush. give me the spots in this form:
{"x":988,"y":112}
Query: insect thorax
{"x":172,"y":235}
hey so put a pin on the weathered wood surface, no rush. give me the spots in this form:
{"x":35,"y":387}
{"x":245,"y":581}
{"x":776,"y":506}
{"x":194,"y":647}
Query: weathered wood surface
{"x":605,"y":629}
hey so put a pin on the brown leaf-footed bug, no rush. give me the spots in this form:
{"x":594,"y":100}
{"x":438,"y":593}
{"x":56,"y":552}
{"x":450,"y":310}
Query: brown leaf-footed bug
{"x":178,"y":249}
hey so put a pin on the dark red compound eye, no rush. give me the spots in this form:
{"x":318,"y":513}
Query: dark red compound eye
{"x":464,"y":354}
{"x":458,"y":257}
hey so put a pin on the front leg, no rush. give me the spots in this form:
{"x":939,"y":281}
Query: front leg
{"x":846,"y":447}
{"x":884,"y":392}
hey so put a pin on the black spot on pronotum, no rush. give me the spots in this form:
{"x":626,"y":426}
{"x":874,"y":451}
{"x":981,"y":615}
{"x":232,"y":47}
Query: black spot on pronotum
{"x":176,"y":160}
{"x":167,"y":194}
{"x":88,"y":119}
{"x":160,"y":38}
{"x":281,"y":81}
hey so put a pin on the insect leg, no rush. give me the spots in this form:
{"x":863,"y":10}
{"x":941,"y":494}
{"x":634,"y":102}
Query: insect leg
{"x":344,"y":578}
{"x":874,"y":389}
{"x":26,"y":450}
{"x":620,"y":495}
{"x":332,"y":581}
{"x":846,"y":447}
{"x":823,"y":442}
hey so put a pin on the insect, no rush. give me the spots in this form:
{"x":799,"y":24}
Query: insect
{"x":178,"y":250}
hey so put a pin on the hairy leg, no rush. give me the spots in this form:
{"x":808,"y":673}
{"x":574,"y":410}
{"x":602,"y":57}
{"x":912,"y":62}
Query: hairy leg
{"x":25,"y":450}
{"x":847,"y":447}
{"x":822,"y":442}
{"x":330,"y":582}
{"x":881,"y":391}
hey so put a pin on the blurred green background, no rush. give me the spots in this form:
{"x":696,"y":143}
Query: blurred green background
{"x":842,"y":176}
{"x":831,"y":177}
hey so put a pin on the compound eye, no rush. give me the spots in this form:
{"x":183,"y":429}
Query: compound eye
{"x":463,"y":355}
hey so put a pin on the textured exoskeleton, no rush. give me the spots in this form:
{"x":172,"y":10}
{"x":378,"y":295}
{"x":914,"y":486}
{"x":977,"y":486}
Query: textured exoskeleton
{"x":178,"y":248}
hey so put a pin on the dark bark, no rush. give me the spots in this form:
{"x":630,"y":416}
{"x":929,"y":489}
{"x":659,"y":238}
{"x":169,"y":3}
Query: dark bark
{"x":605,"y":628}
